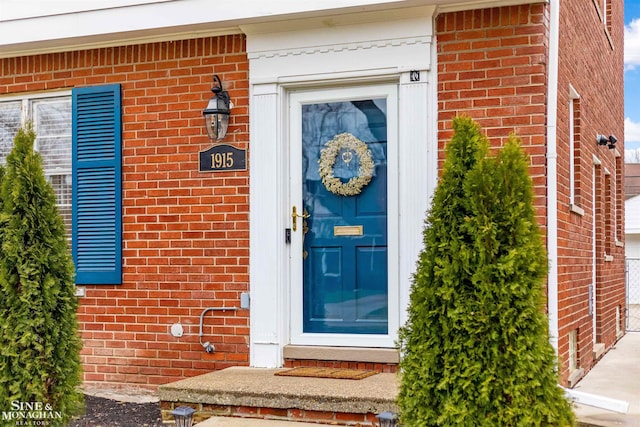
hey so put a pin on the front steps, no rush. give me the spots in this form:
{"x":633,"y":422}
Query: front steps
{"x":258,"y":393}
{"x":253,"y":397}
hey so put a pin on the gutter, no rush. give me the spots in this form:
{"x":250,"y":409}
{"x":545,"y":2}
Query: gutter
{"x":552,"y":172}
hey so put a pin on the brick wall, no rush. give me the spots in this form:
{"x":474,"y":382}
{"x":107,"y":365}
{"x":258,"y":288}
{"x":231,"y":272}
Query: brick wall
{"x":591,"y":61}
{"x":185,"y":233}
{"x":492,"y":66}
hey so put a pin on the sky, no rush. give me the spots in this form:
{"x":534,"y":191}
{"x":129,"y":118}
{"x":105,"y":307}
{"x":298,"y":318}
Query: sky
{"x":632,"y":74}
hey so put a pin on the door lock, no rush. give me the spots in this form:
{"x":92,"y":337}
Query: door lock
{"x":295,"y":216}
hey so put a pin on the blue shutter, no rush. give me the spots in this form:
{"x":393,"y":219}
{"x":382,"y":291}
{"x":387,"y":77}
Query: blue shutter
{"x":97,"y":186}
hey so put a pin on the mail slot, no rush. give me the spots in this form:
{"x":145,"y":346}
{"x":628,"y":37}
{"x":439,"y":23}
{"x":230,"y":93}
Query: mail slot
{"x":347,"y":230}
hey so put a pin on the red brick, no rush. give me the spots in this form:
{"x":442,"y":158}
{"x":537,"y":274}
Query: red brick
{"x":154,"y":108}
{"x":516,"y":38}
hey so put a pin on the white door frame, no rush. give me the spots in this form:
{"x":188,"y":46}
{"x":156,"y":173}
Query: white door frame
{"x":287,"y":57}
{"x":296,"y":100}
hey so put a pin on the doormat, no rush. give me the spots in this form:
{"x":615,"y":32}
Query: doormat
{"x":337,"y":373}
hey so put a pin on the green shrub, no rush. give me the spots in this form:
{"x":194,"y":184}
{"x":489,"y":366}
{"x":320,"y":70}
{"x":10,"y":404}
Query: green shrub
{"x":39,"y":340}
{"x":476,"y":349}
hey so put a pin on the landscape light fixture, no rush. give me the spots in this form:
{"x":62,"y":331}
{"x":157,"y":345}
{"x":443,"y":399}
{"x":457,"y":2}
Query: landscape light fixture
{"x":183,"y":416}
{"x":216,"y":115}
{"x":387,"y":419}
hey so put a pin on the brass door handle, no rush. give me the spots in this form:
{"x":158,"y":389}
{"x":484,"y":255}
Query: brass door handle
{"x":295,"y":216}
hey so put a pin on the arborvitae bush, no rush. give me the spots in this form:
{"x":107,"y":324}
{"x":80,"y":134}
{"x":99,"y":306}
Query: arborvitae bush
{"x":39,"y":340}
{"x":476,"y":348}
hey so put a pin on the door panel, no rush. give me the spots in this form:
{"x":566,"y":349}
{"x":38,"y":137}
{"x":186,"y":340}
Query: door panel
{"x":345,"y":283}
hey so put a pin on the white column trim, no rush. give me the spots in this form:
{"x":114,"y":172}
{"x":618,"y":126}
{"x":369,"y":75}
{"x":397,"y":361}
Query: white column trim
{"x":417,"y":147}
{"x":267,"y":223}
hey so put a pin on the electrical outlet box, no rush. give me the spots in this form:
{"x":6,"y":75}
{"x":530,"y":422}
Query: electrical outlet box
{"x":245,"y":301}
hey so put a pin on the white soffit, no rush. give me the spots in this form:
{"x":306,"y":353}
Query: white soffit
{"x":41,"y":26}
{"x":11,"y":10}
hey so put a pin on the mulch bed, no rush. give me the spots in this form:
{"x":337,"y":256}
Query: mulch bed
{"x":101,"y":412}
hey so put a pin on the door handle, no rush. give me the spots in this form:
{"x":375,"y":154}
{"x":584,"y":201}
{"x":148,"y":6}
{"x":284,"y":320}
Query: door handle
{"x":295,"y":216}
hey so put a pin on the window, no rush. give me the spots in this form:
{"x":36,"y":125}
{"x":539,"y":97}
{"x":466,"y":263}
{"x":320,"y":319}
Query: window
{"x":79,"y":138}
{"x":619,"y":198}
{"x":573,"y":350}
{"x":606,"y":12}
{"x":603,"y":7}
{"x":598,"y":210}
{"x":51,"y":117}
{"x":574,"y":149}
{"x":609,"y":219}
{"x":10,"y":122}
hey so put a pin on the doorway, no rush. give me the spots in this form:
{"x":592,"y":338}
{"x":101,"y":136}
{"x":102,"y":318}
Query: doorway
{"x":343,"y":159}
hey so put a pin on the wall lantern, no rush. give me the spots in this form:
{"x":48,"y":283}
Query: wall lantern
{"x":387,"y":419}
{"x":183,"y":416}
{"x":216,"y":115}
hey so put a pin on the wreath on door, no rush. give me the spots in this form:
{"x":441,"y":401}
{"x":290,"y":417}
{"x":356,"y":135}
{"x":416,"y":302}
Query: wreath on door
{"x":347,"y":144}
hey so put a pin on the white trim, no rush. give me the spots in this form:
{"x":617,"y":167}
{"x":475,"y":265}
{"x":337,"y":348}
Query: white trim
{"x":552,"y":173}
{"x":15,"y":10}
{"x":272,"y":76}
{"x":573,"y":93}
{"x":352,"y":46}
{"x":267,"y":223}
{"x":418,"y":173}
{"x":296,"y":100}
{"x":36,"y":95}
{"x":597,"y":401}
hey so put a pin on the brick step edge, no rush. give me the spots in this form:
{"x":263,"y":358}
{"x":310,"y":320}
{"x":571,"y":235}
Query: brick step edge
{"x":205,"y":411}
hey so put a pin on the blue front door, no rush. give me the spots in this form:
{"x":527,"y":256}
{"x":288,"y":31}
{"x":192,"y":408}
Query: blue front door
{"x":344,"y":191}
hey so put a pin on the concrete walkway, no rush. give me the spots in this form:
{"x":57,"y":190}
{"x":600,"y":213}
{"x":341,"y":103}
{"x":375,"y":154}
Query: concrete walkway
{"x":616,"y":376}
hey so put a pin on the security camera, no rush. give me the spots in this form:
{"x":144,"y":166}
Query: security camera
{"x":208,"y":347}
{"x":601,"y":139}
{"x":612,"y":139}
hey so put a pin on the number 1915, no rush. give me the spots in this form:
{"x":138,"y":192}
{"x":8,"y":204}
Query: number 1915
{"x":221,"y":160}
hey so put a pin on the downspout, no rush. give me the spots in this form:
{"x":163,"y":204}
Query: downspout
{"x":552,"y":172}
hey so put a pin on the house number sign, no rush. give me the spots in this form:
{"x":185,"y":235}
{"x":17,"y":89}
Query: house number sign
{"x":222,"y":158}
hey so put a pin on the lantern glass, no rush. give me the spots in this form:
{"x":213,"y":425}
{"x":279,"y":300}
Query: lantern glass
{"x":183,"y":416}
{"x":387,"y":419}
{"x":216,"y":118}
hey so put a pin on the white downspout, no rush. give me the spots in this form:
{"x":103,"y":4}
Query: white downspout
{"x":552,"y":172}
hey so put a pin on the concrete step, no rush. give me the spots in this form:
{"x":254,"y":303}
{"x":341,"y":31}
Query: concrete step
{"x":258,"y":393}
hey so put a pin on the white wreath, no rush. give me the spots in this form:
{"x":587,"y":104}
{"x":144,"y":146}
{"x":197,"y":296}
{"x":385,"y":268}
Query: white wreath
{"x":328,"y":155}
